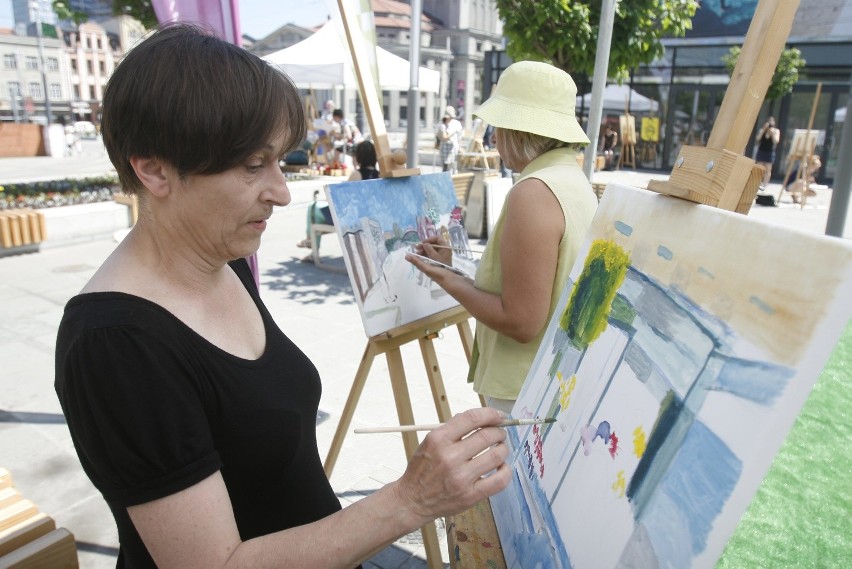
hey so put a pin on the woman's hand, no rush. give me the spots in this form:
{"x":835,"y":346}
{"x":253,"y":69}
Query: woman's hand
{"x":456,"y":466}
{"x":435,"y":248}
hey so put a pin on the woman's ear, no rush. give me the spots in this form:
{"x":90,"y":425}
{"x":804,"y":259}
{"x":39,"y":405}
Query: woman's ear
{"x":152,"y":172}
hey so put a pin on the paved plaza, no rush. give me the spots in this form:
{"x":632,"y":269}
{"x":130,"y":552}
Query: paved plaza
{"x":315,"y":308}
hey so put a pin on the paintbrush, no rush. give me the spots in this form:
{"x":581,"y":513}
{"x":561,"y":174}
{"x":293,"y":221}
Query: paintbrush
{"x":452,"y":248}
{"x":410,"y":428}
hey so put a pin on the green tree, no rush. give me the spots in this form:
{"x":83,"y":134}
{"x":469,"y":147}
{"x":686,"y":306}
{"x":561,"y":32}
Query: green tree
{"x":786,"y":72}
{"x":141,"y":10}
{"x":565,"y":32}
{"x":585,"y":317}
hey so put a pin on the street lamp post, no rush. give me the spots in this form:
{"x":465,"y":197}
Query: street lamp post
{"x":47,"y":109}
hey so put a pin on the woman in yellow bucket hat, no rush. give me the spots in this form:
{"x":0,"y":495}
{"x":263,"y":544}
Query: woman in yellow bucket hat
{"x":538,"y":234}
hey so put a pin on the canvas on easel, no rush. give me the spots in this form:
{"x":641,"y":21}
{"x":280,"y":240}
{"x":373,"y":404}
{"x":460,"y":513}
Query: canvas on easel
{"x":627,"y":125}
{"x":802,"y":149}
{"x":377,"y":223}
{"x":674,"y":367}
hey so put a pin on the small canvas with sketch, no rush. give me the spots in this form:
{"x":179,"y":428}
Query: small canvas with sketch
{"x":378,"y":222}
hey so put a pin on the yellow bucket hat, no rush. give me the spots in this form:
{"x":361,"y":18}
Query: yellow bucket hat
{"x":535,"y":97}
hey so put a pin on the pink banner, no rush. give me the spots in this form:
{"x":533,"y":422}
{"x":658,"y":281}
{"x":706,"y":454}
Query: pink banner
{"x":223,"y":16}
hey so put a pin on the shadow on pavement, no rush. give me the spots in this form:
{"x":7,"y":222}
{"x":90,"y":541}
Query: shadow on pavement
{"x":306,"y":284}
{"x":29,"y":417}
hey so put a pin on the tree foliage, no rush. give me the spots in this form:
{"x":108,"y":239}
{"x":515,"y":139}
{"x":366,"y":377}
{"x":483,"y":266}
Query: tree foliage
{"x":141,"y":10}
{"x":565,"y":32}
{"x":786,"y":72}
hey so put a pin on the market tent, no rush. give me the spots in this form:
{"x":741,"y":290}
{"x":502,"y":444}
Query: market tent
{"x":615,"y":99}
{"x":840,"y":115}
{"x":322,"y":62}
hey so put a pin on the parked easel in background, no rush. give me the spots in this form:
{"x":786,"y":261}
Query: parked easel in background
{"x":716,"y":175}
{"x":627,"y":126}
{"x":650,"y":136}
{"x":423,"y":331}
{"x":802,"y":152}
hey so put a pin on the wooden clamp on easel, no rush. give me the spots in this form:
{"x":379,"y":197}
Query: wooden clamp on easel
{"x":424,"y":331}
{"x":718,"y":175}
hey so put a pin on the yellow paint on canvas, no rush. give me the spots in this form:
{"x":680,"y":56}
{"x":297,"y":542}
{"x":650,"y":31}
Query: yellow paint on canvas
{"x":566,"y":388}
{"x":639,"y":441}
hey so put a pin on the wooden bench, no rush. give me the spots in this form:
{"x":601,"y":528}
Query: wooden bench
{"x":19,"y":227}
{"x":29,"y":539}
{"x":131,"y":202}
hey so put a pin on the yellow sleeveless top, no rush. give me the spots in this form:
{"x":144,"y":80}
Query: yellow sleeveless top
{"x":500,"y":364}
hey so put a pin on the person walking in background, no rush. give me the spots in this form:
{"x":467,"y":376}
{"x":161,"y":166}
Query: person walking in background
{"x":537,"y":235}
{"x":768,"y":138}
{"x":341,"y":132}
{"x":191,"y":411}
{"x":450,"y":132}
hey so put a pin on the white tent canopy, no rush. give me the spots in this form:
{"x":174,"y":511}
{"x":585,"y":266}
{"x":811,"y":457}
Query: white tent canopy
{"x":615,"y":99}
{"x":322,"y":62}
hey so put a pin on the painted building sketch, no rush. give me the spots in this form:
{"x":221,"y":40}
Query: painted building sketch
{"x":377,"y":222}
{"x":680,"y":353}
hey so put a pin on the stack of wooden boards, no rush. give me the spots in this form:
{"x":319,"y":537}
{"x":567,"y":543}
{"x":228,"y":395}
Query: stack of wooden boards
{"x":29,"y":539}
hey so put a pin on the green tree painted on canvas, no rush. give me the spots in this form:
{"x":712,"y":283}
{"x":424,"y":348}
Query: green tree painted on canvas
{"x":585,"y":317}
{"x":566,"y":33}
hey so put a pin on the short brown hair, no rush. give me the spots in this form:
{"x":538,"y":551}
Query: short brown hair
{"x":197,"y":102}
{"x":526,"y":146}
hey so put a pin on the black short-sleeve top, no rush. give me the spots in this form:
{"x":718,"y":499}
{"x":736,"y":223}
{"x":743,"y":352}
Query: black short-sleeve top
{"x":153,"y":408}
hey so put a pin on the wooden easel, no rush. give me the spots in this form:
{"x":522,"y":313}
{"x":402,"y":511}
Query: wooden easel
{"x":717,"y":175}
{"x":801,"y":153}
{"x":423,"y":331}
{"x":627,"y":125}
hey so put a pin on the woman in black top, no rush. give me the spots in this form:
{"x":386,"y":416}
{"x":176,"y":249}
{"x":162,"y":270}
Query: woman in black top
{"x":767,"y":140}
{"x":191,"y":412}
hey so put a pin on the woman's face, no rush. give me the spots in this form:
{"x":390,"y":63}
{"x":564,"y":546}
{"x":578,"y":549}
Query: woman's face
{"x":223,"y":216}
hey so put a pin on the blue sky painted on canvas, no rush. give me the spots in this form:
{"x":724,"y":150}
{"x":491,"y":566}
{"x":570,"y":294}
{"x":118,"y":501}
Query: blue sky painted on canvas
{"x":391,"y":200}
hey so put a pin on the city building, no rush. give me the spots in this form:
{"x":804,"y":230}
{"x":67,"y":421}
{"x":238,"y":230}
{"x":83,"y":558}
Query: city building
{"x":22,"y":85}
{"x":27,"y":12}
{"x":675,"y":99}
{"x":691,"y":79}
{"x":94,"y":48}
{"x":78,"y":61}
{"x":469,"y":29}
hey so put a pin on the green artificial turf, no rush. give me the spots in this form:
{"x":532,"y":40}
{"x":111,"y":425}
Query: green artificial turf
{"x":802,"y":513}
